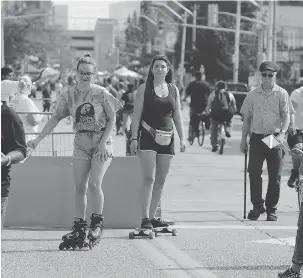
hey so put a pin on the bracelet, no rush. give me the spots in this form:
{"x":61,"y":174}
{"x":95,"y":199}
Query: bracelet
{"x":9,"y":162}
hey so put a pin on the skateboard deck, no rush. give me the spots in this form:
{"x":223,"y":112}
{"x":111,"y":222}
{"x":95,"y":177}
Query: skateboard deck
{"x":152,"y":233}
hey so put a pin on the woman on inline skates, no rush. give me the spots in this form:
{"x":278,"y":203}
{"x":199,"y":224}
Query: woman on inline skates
{"x":93,"y":110}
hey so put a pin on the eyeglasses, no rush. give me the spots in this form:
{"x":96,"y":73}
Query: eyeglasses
{"x":88,"y":74}
{"x":267,"y":75}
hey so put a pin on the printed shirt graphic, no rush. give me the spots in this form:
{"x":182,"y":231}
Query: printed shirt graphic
{"x":90,"y":110}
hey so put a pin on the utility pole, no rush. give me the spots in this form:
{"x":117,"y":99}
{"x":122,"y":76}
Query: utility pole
{"x":274,"y":41}
{"x":260,"y":30}
{"x":181,"y":66}
{"x":194,"y":28}
{"x":270,"y":31}
{"x":237,"y":43}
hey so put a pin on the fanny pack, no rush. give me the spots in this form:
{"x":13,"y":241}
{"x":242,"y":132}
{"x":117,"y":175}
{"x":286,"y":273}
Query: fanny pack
{"x":161,"y":137}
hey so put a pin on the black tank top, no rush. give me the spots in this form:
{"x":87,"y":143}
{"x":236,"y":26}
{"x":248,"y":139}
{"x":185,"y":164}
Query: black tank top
{"x":158,"y":111}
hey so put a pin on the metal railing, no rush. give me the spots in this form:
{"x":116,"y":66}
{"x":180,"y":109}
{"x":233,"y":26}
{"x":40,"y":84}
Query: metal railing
{"x":55,"y":143}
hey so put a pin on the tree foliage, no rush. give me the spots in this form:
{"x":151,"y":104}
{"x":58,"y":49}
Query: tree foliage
{"x":214,"y":49}
{"x":30,"y":35}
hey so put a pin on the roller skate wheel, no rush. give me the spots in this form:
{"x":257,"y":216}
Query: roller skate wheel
{"x":91,"y":244}
{"x":151,"y":235}
{"x":174,"y":232}
{"x":62,"y":246}
{"x":131,"y":235}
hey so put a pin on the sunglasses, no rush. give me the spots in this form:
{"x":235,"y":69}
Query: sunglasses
{"x":88,"y":74}
{"x":267,"y":75}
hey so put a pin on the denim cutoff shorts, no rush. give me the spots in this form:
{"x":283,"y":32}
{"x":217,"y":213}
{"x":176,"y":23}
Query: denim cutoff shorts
{"x":86,"y":145}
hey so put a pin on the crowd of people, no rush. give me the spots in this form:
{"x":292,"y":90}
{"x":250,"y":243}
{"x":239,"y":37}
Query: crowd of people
{"x":95,"y":107}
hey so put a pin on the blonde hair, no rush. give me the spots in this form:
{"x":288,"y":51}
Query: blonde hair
{"x":25,"y":84}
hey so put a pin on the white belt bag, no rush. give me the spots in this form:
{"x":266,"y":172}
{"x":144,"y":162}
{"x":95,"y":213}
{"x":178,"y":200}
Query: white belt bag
{"x":161,"y":137}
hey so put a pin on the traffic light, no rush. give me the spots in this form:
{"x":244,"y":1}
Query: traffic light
{"x":160,"y":26}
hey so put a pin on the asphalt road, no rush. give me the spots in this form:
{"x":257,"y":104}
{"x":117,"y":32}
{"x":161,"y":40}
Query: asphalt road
{"x":204,"y":195}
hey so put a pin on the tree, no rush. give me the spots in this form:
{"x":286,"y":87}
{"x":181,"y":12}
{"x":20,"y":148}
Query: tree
{"x":214,"y":49}
{"x":30,"y":35}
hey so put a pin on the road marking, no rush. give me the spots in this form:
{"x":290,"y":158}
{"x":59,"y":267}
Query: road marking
{"x":291,"y":241}
{"x":162,"y":262}
{"x":184,"y":260}
{"x":234,"y":227}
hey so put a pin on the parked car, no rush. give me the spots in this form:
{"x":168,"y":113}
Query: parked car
{"x":239,"y":90}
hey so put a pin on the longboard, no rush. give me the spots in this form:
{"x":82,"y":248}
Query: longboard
{"x":152,"y":233}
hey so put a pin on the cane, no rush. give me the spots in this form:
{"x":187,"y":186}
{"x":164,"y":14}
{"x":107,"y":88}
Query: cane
{"x":245,"y":175}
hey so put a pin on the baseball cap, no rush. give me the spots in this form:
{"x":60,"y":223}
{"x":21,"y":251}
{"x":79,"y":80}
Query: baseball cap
{"x":267,"y":65}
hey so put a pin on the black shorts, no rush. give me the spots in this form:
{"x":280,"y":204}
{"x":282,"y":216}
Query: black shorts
{"x":147,"y":143}
{"x":295,"y":139}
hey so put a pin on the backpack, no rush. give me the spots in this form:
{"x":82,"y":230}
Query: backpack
{"x":217,"y":107}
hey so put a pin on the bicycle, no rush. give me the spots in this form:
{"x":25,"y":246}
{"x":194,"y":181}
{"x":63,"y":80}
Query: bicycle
{"x":200,"y":128}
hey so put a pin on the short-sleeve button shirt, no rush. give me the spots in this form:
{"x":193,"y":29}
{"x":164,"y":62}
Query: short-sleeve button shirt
{"x":266,"y":110}
{"x":90,"y":110}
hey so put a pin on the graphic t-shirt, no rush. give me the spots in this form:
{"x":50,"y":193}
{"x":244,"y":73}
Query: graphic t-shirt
{"x":90,"y":110}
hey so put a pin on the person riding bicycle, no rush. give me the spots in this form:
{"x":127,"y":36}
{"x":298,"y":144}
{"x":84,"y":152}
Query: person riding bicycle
{"x":199,"y":91}
{"x":217,"y":108}
{"x":295,"y":137}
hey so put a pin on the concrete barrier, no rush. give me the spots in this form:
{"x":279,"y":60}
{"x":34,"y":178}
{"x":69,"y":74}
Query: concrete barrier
{"x":43,"y":194}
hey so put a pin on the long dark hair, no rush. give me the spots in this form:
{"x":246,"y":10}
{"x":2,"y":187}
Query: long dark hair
{"x":150,"y":76}
{"x":221,"y":85}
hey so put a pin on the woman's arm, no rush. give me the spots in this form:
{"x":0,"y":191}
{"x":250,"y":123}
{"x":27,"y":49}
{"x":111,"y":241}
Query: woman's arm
{"x":48,"y":128}
{"x":138,"y":108}
{"x":177,"y":116}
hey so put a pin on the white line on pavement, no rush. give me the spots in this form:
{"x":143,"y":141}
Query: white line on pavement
{"x":167,"y":266}
{"x":184,"y":260}
{"x":235,"y":227}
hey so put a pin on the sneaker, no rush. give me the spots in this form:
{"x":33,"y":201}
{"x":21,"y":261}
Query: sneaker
{"x":271,"y":216}
{"x":227,"y":134}
{"x":255,"y":213}
{"x":146,"y":224}
{"x":294,"y":176}
{"x":158,"y":223}
{"x":214,"y":149}
{"x":289,"y":274}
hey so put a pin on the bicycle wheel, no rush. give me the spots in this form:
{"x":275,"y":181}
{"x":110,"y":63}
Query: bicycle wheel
{"x":201,"y":133}
{"x":190,"y":134}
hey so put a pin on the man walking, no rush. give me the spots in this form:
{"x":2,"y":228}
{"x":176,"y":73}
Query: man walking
{"x":265,"y":111}
{"x":295,"y":137}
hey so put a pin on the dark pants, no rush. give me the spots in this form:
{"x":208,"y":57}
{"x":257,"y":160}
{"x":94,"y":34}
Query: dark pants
{"x":5,"y":186}
{"x":298,"y":253}
{"x":258,"y":152}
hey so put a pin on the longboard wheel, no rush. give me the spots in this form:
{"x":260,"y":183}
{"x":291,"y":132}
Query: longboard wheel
{"x":90,"y":244}
{"x":131,"y":235}
{"x":174,"y":232}
{"x":151,"y":235}
{"x":62,"y":246}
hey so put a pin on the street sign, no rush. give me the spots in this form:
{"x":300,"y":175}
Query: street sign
{"x":212,"y":15}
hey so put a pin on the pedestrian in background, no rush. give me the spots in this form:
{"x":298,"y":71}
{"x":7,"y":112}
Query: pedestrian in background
{"x":266,"y":111}
{"x":157,"y":107}
{"x":295,"y":136}
{"x":22,"y":103}
{"x":13,"y":145}
{"x":297,"y":259}
{"x":128,"y":108}
{"x":93,"y":110}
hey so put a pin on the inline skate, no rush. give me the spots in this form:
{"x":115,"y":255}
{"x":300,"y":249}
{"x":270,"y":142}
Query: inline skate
{"x":96,"y":229}
{"x":76,"y":238}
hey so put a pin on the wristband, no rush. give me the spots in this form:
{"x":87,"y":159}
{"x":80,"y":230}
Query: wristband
{"x":9,"y":162}
{"x":134,"y":139}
